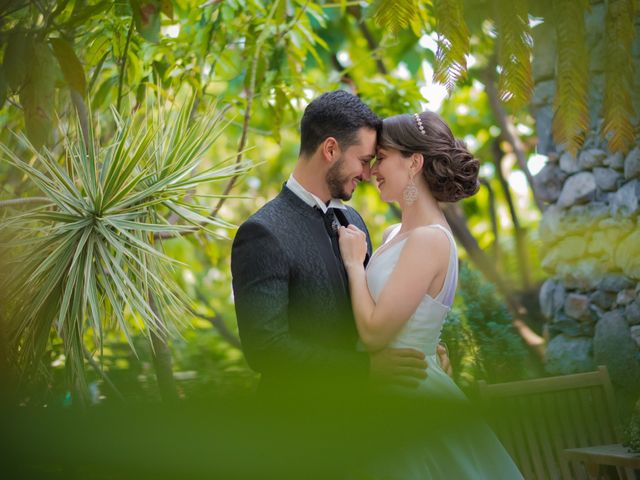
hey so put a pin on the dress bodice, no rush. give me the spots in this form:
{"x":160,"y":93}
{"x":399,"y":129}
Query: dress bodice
{"x":422,"y":330}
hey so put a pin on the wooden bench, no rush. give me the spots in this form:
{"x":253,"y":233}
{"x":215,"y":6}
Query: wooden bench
{"x":541,"y":421}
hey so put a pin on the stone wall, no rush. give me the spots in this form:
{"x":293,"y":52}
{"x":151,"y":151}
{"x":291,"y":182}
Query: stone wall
{"x":590,"y":229}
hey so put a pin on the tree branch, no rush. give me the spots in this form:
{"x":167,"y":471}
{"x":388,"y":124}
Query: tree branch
{"x":162,"y":360}
{"x":508,"y":129}
{"x":520,"y":233}
{"x":124,"y":64}
{"x":494,"y":218}
{"x":101,"y":373}
{"x":247,"y":113}
{"x":218,"y":323}
{"x":344,"y":76}
{"x":293,"y":22}
{"x":356,"y":11}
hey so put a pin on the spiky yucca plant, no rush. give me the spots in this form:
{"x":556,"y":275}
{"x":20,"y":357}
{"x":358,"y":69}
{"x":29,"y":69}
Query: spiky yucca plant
{"x":90,"y":259}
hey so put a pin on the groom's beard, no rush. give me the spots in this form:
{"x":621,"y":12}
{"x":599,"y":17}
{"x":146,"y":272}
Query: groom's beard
{"x":336,"y":181}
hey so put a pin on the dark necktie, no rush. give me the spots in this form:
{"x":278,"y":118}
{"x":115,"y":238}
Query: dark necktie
{"x":332,"y":225}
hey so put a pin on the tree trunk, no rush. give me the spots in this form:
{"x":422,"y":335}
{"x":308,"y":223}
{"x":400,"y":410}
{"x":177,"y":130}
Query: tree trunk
{"x":163,"y":362}
{"x":494,"y":219}
{"x":520,"y":234}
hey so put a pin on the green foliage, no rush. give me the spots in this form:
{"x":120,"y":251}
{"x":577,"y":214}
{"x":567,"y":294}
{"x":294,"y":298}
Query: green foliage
{"x":146,"y":15}
{"x":631,"y":434}
{"x":453,"y":43}
{"x":395,"y":15}
{"x":499,"y":353}
{"x":92,"y":254}
{"x":19,"y":46}
{"x":617,"y":105}
{"x":216,"y":368}
{"x":3,"y":87}
{"x":301,"y":49}
{"x":70,"y":64}
{"x":461,"y":347}
{"x":38,"y":95}
{"x":514,"y":52}
{"x":571,"y":110}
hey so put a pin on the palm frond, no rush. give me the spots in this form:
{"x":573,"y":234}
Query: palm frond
{"x":515,"y":83}
{"x":395,"y":15}
{"x":571,"y":109}
{"x":453,"y":43}
{"x":617,"y":104}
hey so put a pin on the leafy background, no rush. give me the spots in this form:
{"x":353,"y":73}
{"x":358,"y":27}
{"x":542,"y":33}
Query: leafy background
{"x":74,"y":67}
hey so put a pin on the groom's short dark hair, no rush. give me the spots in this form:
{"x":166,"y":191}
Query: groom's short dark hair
{"x":337,"y":114}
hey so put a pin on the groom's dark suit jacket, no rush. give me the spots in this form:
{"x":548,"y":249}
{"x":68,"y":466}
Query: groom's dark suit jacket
{"x":292,"y":298}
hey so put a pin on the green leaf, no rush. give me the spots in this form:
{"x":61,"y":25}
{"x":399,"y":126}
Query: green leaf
{"x":166,"y":7}
{"x":82,"y":16}
{"x":571,"y":108}
{"x":38,"y":94}
{"x":618,"y":107}
{"x":16,"y":59}
{"x":515,"y":43}
{"x":37,"y":116}
{"x":3,"y":87}
{"x":453,"y":43}
{"x":71,"y":291}
{"x":91,"y":292}
{"x":104,"y":92}
{"x":70,"y":64}
{"x":146,"y":15}
{"x":278,"y":111}
{"x":395,"y":15}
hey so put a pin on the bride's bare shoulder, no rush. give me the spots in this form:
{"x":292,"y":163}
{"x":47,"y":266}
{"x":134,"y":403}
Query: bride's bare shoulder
{"x":429,"y":238}
{"x":388,"y":230}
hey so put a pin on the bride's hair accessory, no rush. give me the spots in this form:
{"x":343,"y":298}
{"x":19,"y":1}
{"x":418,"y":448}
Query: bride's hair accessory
{"x":419,"y":123}
{"x":410,"y":192}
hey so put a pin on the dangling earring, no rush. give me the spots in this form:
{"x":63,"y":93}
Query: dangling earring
{"x":410,"y":192}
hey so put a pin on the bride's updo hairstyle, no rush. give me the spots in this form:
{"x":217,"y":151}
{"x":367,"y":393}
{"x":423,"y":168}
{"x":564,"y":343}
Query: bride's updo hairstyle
{"x":451,"y":172}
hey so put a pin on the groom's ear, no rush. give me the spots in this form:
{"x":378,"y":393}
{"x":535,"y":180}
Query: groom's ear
{"x":330,"y":149}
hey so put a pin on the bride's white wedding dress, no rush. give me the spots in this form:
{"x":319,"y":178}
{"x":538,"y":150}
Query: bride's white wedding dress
{"x":473,"y":453}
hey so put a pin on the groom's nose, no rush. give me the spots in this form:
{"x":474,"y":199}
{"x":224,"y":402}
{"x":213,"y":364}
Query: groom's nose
{"x":366,"y":172}
{"x":373,"y":169}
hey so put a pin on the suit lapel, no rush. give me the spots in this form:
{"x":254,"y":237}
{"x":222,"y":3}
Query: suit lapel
{"x":335,"y":267}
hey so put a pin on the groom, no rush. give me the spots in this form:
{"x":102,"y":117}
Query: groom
{"x":290,"y":286}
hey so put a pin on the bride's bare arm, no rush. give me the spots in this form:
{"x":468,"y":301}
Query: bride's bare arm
{"x":421,"y":269}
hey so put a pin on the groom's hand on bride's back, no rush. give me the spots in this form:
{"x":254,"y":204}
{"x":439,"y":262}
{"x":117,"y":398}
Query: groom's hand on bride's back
{"x":399,"y":366}
{"x":443,"y":357}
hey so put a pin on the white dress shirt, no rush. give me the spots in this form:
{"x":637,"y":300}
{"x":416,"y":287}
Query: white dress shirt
{"x":310,"y":199}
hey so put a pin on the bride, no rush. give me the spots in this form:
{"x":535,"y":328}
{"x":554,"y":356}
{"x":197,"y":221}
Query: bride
{"x":403,"y":296}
